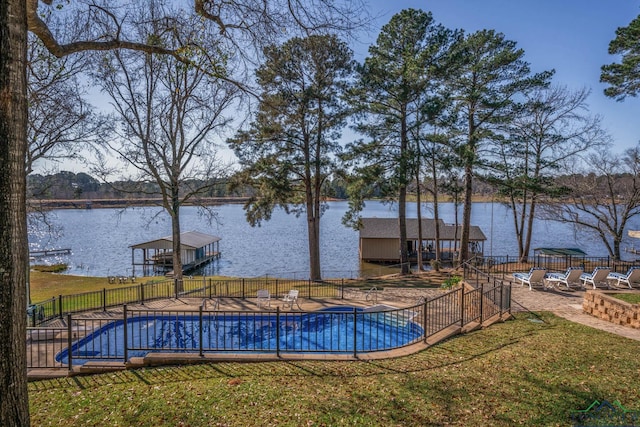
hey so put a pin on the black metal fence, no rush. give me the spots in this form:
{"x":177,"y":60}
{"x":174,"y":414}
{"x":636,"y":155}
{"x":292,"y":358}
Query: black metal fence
{"x":60,"y":306}
{"x":136,"y":332}
{"x":505,"y":265}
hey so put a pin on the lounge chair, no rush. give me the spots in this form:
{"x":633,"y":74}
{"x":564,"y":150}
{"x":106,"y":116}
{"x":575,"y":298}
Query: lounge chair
{"x":290,"y":298}
{"x":264,"y":298}
{"x":571,"y":276}
{"x":632,"y":276}
{"x":534,"y":276}
{"x":598,"y":277}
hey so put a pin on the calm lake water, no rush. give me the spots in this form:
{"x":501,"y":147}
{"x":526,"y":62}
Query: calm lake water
{"x":100,"y":238}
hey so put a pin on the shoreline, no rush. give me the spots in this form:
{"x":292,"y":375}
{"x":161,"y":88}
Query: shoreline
{"x":207,"y":201}
{"x":124,"y":203}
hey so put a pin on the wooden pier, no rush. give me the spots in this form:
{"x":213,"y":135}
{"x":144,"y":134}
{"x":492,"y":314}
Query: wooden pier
{"x":197,"y":264}
{"x":49,"y":252}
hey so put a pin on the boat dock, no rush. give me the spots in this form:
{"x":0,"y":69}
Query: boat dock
{"x":196,"y":249}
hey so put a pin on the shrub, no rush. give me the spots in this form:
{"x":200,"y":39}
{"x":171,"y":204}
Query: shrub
{"x":451,"y":282}
{"x":54,"y":268}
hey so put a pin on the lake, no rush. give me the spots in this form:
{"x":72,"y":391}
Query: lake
{"x":100,"y":238}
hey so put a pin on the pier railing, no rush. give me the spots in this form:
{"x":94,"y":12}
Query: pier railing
{"x":119,"y":336}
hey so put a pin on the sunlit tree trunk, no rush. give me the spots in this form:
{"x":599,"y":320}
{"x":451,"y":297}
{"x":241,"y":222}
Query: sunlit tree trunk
{"x":177,"y":244}
{"x":419,"y":212}
{"x":313,"y":185}
{"x":14,"y":401}
{"x":402,"y":193}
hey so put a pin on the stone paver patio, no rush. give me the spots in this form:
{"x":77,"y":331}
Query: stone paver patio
{"x":567,"y":304}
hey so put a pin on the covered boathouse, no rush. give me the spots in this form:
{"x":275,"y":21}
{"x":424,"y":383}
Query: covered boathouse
{"x":380,"y":240}
{"x":196,"y":249}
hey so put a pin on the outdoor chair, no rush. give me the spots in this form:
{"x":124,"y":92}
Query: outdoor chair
{"x":534,"y":276}
{"x":264,"y":298}
{"x":598,"y":277}
{"x":571,"y":276}
{"x":290,"y":298}
{"x":632,"y":276}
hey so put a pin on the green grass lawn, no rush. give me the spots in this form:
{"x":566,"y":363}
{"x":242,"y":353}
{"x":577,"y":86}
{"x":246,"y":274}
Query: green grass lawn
{"x":514,"y":373}
{"x":630,"y":298}
{"x":44,"y":285}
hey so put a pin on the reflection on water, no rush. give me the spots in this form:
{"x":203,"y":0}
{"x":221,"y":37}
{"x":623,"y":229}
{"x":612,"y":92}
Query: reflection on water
{"x":100,"y":239}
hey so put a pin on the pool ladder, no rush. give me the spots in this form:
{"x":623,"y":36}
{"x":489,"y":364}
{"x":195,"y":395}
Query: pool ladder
{"x":372,"y":295}
{"x":216,"y":303}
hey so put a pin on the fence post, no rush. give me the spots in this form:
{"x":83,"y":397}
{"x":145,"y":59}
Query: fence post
{"x":60,"y":305}
{"x":278,"y":331}
{"x":141,"y":294}
{"x":175,"y":287}
{"x":342,"y":289}
{"x":104,"y":299}
{"x":424,"y":320}
{"x":462,"y":306}
{"x":243,"y":288}
{"x":125,"y":333}
{"x":355,"y":332}
{"x":200,"y":332}
{"x":482,"y":303}
{"x":309,"y":296}
{"x":69,"y":341}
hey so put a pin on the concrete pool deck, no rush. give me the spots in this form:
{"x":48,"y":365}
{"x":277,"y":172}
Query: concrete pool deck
{"x":563,"y":303}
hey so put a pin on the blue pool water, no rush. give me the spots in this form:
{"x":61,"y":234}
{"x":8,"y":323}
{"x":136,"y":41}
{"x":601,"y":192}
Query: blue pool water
{"x":327,"y":331}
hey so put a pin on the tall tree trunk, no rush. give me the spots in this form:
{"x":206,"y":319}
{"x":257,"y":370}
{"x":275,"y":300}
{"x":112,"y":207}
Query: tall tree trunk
{"x":402,"y":195}
{"x":516,"y":222}
{"x":419,"y":211}
{"x":313,"y":222}
{"x":466,"y":213}
{"x":177,"y":243}
{"x":313,"y":231}
{"x":436,"y":211}
{"x":529,"y":230}
{"x":617,"y":241}
{"x":402,"y":224}
{"x":14,"y":400}
{"x":469,"y":161}
{"x":313,"y":194}
{"x":523,"y":220}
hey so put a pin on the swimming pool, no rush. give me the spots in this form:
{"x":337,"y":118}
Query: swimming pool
{"x":333,"y":330}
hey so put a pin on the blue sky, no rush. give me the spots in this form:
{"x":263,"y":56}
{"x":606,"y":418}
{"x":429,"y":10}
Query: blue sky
{"x":569,"y":36}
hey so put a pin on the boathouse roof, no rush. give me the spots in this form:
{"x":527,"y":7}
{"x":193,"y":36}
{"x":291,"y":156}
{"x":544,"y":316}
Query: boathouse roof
{"x":388,"y":228}
{"x":560,"y":252}
{"x":189,"y":239}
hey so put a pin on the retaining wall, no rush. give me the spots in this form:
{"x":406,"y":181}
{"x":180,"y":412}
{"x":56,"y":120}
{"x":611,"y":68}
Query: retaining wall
{"x":603,"y":305}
